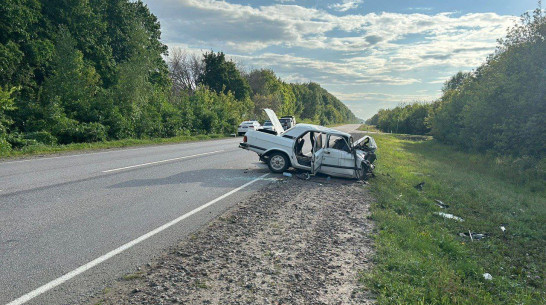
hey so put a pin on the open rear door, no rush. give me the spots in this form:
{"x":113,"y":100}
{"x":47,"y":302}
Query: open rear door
{"x":274,"y":120}
{"x":318,"y":150}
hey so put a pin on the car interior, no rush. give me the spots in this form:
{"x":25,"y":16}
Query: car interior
{"x":338,"y":142}
{"x":304,"y":146}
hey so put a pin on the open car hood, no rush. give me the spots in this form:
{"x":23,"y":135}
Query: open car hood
{"x":371,"y":143}
{"x":274,"y":120}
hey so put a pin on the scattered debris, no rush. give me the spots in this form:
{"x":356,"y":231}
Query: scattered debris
{"x":419,"y":186}
{"x":450,"y":216}
{"x":474,"y":236}
{"x":441,"y":204}
{"x":487,"y":276}
{"x":478,"y":236}
{"x":399,"y":196}
{"x":503,"y":229}
{"x":286,"y":174}
{"x":304,"y":176}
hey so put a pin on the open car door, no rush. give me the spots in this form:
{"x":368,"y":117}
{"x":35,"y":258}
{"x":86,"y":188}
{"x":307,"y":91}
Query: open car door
{"x":318,"y":151}
{"x":274,"y":120}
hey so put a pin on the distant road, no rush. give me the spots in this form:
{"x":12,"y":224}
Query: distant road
{"x":347,"y":128}
{"x":91,"y":217}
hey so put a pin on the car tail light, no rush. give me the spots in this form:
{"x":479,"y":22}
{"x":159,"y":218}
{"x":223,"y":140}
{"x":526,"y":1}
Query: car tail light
{"x":244,"y":139}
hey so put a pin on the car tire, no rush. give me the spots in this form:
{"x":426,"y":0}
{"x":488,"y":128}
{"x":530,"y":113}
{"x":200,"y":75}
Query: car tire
{"x":278,"y":162}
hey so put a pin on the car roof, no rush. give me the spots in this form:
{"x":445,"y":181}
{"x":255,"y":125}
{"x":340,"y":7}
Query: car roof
{"x":300,"y":128}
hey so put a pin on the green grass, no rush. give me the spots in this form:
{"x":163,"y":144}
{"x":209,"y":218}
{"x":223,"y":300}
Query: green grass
{"x":421,"y":259}
{"x":365,"y":127}
{"x":53,"y":149}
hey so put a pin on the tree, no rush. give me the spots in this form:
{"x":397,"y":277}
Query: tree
{"x":72,"y":82}
{"x":184,"y":71}
{"x":88,"y":70}
{"x":222,"y":76}
{"x":6,"y":104}
{"x":498,"y":106}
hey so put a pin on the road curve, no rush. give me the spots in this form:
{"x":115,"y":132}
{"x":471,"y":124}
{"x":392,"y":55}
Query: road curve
{"x":58,"y":214}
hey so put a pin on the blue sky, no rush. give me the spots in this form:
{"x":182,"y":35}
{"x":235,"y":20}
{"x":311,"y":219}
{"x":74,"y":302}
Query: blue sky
{"x":370,"y":54}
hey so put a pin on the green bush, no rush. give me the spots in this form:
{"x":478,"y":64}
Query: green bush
{"x":18,"y":140}
{"x":43,"y":137}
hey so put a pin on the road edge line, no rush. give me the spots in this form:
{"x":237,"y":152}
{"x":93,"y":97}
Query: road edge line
{"x":161,"y":161}
{"x":60,"y":280}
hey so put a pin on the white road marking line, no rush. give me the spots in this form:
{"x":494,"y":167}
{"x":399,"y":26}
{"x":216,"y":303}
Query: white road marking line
{"x":162,"y":161}
{"x":58,"y":281}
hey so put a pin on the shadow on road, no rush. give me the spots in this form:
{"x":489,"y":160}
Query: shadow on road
{"x":205,"y":177}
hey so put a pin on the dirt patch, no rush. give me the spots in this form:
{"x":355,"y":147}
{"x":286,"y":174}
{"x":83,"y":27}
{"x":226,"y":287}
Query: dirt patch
{"x":294,"y":242}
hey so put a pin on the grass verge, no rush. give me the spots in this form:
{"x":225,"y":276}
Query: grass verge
{"x":42,"y":149}
{"x":422,"y":259}
{"x":365,"y":127}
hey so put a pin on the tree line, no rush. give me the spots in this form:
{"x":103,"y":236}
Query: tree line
{"x":84,"y":71}
{"x":500,"y":106}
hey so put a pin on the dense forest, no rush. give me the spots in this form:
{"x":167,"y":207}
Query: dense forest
{"x":85,"y":71}
{"x":499,"y":107}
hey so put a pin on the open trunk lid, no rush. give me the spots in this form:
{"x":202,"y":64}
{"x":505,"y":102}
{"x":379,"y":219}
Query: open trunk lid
{"x":274,"y":120}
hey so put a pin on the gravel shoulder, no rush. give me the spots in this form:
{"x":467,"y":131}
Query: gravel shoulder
{"x":294,"y":242}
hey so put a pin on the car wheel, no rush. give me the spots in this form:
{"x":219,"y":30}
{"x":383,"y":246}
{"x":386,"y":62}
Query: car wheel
{"x":278,"y":162}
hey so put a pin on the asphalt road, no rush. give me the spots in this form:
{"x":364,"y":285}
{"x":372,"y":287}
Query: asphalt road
{"x":91,"y":217}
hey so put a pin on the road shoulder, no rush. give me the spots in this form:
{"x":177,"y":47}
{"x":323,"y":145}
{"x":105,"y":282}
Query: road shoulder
{"x":293,"y":242}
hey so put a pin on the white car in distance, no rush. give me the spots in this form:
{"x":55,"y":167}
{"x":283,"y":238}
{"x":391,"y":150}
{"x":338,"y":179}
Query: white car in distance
{"x":246,"y":126}
{"x":268,"y":126}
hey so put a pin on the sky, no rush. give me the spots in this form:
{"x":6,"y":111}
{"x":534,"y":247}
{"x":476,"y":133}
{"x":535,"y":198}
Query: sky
{"x":370,"y":54}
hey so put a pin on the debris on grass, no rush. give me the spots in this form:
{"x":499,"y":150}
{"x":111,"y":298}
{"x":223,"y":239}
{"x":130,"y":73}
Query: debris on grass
{"x":474,"y":236}
{"x":441,"y":204}
{"x":487,"y":276}
{"x":449,"y":216}
{"x":419,"y":186}
{"x":502,"y":229}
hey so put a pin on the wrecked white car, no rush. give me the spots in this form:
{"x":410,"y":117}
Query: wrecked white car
{"x":312,"y":148}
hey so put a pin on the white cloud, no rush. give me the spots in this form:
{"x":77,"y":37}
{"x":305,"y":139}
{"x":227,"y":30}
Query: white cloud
{"x":302,"y":69}
{"x":346,"y":5}
{"x":386,"y":97}
{"x":375,"y":49}
{"x":244,"y":29}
